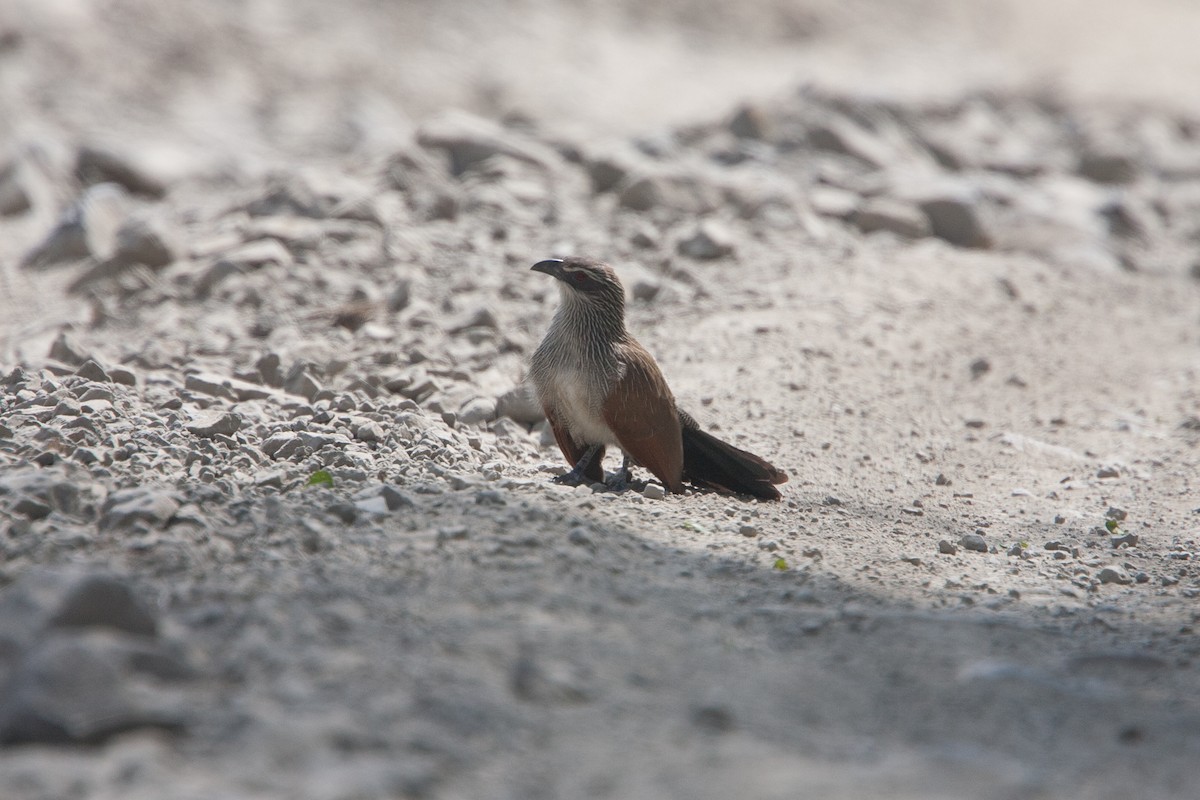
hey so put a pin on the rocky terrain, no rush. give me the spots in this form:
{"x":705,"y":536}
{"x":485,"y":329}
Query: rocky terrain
{"x":276,"y":517}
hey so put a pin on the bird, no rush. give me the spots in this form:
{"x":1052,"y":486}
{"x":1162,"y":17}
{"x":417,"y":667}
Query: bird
{"x":599,"y":387}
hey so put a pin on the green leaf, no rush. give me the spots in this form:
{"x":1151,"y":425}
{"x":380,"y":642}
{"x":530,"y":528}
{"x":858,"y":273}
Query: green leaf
{"x":780,"y":564}
{"x":320,"y":478}
{"x":693,"y":526}
{"x":1111,"y":524}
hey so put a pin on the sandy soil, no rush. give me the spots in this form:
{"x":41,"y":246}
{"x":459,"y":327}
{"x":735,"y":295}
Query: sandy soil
{"x":936,"y":260}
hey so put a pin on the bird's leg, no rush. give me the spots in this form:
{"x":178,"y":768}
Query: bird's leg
{"x":575,"y":476}
{"x":619,"y":480}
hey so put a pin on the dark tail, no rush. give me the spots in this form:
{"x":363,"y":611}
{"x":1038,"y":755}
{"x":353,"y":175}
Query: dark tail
{"x":713,"y":464}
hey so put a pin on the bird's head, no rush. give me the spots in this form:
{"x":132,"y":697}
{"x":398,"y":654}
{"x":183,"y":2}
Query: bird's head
{"x":585,"y":279}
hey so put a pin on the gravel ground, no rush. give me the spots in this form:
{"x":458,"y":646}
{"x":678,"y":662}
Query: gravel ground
{"x":276,"y":517}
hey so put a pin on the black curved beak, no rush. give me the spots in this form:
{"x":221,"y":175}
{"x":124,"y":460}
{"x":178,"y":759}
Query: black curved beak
{"x":551,"y":266}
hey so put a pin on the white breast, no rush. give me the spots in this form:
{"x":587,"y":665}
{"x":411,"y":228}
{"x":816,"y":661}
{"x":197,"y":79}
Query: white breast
{"x":579,"y":408}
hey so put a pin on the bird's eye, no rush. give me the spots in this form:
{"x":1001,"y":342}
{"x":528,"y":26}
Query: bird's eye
{"x":581,"y":277}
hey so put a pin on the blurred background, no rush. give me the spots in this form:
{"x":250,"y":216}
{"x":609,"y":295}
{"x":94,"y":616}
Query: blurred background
{"x":245,"y":79}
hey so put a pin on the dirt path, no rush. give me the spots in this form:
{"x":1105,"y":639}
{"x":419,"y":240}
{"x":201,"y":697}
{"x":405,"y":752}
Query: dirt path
{"x":275,"y":523}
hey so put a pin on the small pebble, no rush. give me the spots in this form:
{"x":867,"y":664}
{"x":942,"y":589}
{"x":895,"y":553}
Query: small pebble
{"x":654,"y":492}
{"x":1127,"y":540}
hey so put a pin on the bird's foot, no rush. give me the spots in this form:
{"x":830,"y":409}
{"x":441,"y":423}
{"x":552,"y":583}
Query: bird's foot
{"x":619,"y":480}
{"x":573,"y":478}
{"x":576,"y":476}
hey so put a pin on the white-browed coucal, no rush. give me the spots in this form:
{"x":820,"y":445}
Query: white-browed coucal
{"x":600,"y":387}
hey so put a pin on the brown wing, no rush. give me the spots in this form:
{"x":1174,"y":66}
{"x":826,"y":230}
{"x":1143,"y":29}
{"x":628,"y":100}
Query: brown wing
{"x":573,"y":452}
{"x":641,"y":412}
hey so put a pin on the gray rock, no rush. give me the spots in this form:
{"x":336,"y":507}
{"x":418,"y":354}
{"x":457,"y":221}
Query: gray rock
{"x":128,"y":508}
{"x":273,"y":479}
{"x":216,"y":274}
{"x":206,"y":383}
{"x":66,"y":495}
{"x":490,"y":497}
{"x":314,"y":537}
{"x":607,"y":172}
{"x":95,"y":392}
{"x":95,"y":165}
{"x":31,"y":508}
{"x":1124,"y":540}
{"x":710,"y":239}
{"x":315,"y":441}
{"x":1114,"y":574}
{"x":143,"y":241}
{"x":840,"y":135}
{"x":288,"y":194}
{"x":88,"y":228}
{"x":974,"y":541}
{"x":830,"y":201}
{"x":898,"y":217}
{"x":955,"y":218}
{"x":258,"y":254}
{"x":680,"y":192}
{"x":1104,"y":166}
{"x":268,"y":367}
{"x":281,"y":446}
{"x":68,"y":241}
{"x":123,"y":376}
{"x":104,"y":601}
{"x":14,"y":198}
{"x":18,"y":379}
{"x":750,"y":122}
{"x":300,"y":382}
{"x":642,"y":194}
{"x":645,"y":236}
{"x":580,"y":536}
{"x":371,"y":503}
{"x":645,"y":288}
{"x":713,"y":718}
{"x":456,"y":533}
{"x":538,"y":679}
{"x":369,"y":431}
{"x":84,"y":689}
{"x":395,"y":499}
{"x":67,"y":350}
{"x":1129,"y":218}
{"x":426,"y":185}
{"x":400,"y":296}
{"x":947,"y":547}
{"x":68,"y":407}
{"x":468,"y":140}
{"x":477,"y":410}
{"x":137,"y":242}
{"x":478,"y":318}
{"x":520,"y":404}
{"x":93,"y":372}
{"x":215,"y":423}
